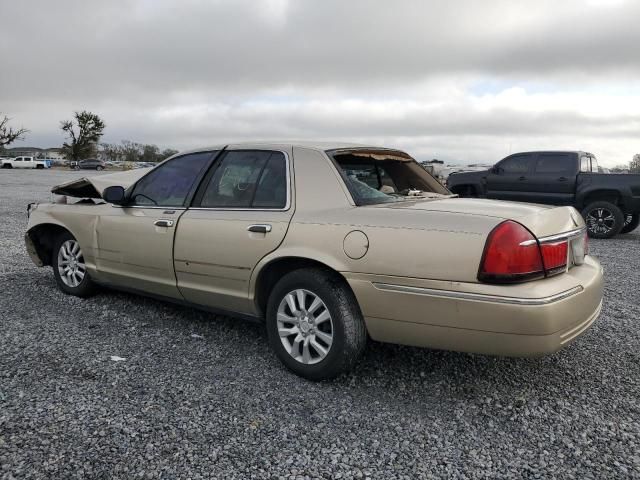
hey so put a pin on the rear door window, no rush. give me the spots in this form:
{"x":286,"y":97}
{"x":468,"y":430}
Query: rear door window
{"x":554,"y":163}
{"x":248,"y":179}
{"x":515,"y":164}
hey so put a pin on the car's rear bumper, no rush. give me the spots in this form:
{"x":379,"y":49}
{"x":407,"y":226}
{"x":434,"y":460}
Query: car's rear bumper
{"x":529,"y":319}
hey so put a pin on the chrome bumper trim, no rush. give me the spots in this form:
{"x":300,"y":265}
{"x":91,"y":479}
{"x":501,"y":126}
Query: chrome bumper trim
{"x":478,"y":297}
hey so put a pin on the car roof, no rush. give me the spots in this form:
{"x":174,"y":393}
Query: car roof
{"x":550,"y":151}
{"x":321,"y":146}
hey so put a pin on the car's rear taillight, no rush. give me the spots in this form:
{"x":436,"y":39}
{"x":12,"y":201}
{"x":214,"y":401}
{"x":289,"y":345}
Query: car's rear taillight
{"x":511,"y":254}
{"x":554,"y":256}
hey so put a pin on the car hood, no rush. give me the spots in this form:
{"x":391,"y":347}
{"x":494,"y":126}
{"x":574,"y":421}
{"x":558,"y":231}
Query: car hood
{"x":92,"y":187}
{"x":542,"y":220}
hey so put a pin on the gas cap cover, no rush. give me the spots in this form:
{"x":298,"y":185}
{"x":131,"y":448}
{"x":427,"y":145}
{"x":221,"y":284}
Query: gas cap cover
{"x":356,"y":244}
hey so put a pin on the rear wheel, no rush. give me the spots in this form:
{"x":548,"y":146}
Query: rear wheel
{"x":99,"y":167}
{"x":314,"y":324}
{"x":631,"y":222}
{"x":603,"y":219}
{"x":69,"y":267}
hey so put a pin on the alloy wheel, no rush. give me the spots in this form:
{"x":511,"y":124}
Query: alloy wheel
{"x":71,"y":266}
{"x":600,"y":221}
{"x":305,"y":326}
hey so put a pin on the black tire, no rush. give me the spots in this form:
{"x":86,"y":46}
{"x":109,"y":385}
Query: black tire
{"x":39,"y":167}
{"x":86,"y":287}
{"x":632,"y":220}
{"x":99,"y":167}
{"x":347,"y":325}
{"x":603,"y":219}
{"x":7,"y":165}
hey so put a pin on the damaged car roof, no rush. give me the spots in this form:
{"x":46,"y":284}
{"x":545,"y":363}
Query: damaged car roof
{"x":92,"y":187}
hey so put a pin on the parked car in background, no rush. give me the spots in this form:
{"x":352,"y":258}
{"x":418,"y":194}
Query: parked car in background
{"x":329,"y":244}
{"x":89,"y":164}
{"x":25,"y":162}
{"x":610,"y":203}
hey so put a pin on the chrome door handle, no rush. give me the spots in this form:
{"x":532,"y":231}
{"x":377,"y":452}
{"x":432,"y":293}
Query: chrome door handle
{"x":259,"y":228}
{"x":163,"y":223}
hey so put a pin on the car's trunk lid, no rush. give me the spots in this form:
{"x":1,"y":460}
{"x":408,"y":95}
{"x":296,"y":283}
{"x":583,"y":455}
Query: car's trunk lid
{"x":542,"y":220}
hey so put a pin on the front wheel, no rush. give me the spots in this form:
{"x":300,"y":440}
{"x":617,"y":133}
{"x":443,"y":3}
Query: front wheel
{"x":631,"y":222}
{"x":314,"y":324}
{"x":603,"y":219}
{"x":99,"y":167}
{"x":69,"y":268}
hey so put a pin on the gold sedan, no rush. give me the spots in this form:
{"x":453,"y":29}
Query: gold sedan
{"x":330,"y":244}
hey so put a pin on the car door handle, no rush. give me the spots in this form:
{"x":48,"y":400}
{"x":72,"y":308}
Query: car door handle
{"x":563,"y":179}
{"x":522,"y":178}
{"x":259,"y":228}
{"x":163,"y":223}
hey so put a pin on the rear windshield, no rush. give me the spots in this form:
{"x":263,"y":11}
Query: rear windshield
{"x":382,"y":176}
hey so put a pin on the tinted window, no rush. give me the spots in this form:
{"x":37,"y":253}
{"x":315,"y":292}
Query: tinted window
{"x":248,"y":179}
{"x":170,"y":183}
{"x":515,"y":164}
{"x":554,"y":163}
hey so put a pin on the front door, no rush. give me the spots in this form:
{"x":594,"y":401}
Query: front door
{"x":508,"y":180}
{"x":135,"y":242}
{"x":240,"y":214}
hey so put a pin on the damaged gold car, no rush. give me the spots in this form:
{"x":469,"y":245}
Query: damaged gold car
{"x":330,"y":245}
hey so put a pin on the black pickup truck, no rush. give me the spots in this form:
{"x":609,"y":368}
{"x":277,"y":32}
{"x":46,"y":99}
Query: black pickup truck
{"x":610,"y":203}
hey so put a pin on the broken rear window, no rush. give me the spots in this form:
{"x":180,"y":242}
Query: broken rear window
{"x":381,"y":176}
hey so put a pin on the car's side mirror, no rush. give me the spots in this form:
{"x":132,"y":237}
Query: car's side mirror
{"x":495,"y":170}
{"x":114,"y":194}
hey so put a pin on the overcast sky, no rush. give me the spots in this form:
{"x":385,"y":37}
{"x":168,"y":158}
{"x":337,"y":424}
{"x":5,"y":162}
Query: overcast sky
{"x":464,"y":81}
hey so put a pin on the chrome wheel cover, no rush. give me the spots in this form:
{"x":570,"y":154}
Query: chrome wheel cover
{"x":305,"y":326}
{"x":71,"y":265}
{"x":600,"y":220}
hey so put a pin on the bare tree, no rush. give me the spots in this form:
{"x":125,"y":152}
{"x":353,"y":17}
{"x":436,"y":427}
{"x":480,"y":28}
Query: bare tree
{"x":83,"y":136}
{"x":634,"y":164}
{"x":7,"y":134}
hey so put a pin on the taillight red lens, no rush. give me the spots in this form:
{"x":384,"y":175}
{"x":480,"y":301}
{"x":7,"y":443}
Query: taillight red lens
{"x":554,"y":256}
{"x":511,"y":254}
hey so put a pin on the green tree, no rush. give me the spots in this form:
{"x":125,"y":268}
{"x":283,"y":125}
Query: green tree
{"x":150,"y":153}
{"x":82,"y":136}
{"x":130,"y":151}
{"x":111,"y":151}
{"x":7,"y":134}
{"x":166,"y":153}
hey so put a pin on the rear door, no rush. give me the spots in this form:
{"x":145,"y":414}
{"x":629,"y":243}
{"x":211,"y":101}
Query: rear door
{"x":135,"y":242}
{"x":554,"y":179}
{"x":508,"y":180}
{"x":240,"y":213}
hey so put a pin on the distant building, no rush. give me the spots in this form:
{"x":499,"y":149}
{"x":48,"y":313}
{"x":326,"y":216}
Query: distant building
{"x":52,"y":153}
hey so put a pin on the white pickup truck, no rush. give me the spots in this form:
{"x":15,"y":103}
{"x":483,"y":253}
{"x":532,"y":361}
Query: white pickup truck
{"x":25,"y":162}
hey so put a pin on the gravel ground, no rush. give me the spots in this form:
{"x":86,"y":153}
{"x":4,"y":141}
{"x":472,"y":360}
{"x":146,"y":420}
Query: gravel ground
{"x":199,"y":396}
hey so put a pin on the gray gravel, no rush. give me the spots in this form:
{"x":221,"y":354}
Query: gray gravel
{"x":199,"y":396}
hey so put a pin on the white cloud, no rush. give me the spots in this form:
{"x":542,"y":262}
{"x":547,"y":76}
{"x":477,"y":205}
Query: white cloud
{"x":466,"y":81}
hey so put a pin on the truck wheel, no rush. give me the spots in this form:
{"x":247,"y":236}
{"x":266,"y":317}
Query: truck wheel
{"x":632,"y":220}
{"x":39,"y":167}
{"x":7,"y":165}
{"x":603,"y":219}
{"x":314,"y":324}
{"x":69,"y":268}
